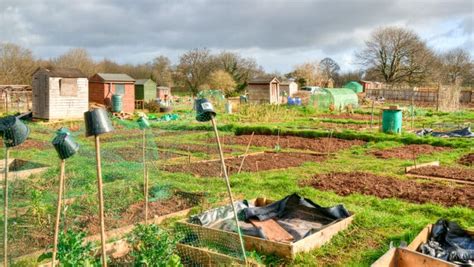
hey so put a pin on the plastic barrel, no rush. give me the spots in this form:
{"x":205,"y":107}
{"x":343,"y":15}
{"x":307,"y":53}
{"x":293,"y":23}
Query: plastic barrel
{"x":117,"y":103}
{"x":228,"y":108}
{"x":291,"y":102}
{"x":392,"y":121}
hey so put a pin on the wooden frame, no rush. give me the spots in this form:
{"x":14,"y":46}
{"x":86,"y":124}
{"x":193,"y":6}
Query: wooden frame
{"x":284,"y":250}
{"x":402,"y":257}
{"x":435,"y":164}
{"x":24,"y":174}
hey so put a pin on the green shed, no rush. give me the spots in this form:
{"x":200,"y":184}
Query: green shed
{"x":145,"y":90}
{"x":339,"y":97}
{"x":354,"y":86}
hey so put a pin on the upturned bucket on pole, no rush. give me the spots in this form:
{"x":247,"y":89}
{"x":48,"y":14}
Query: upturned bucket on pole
{"x":14,"y":131}
{"x":65,"y":144}
{"x":97,"y":122}
{"x":143,"y":122}
{"x":204,"y":110}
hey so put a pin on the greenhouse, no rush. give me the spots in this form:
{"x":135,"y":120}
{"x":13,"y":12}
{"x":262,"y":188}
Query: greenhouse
{"x":354,"y":86}
{"x":339,"y":97}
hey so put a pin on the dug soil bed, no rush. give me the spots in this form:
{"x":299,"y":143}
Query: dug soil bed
{"x":136,"y":154}
{"x":464,"y":174}
{"x":408,"y":151}
{"x":35,"y":144}
{"x":467,"y":160}
{"x":253,"y":163}
{"x":347,"y":116}
{"x":346,"y":183}
{"x":295,"y":142}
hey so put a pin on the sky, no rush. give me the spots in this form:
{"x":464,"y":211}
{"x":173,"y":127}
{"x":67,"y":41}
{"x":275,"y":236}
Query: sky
{"x":278,"y":34}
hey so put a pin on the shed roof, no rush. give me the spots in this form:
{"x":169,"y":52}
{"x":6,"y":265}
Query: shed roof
{"x":63,"y":72}
{"x":114,"y":77}
{"x":162,"y":88}
{"x":143,"y":81}
{"x":263,"y":80}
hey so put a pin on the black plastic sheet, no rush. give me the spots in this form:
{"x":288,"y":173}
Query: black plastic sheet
{"x":448,"y":241}
{"x":465,"y":132}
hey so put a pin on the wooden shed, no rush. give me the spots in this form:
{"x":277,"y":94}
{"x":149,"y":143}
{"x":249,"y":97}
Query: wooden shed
{"x":264,"y":90}
{"x":288,"y":87}
{"x":145,"y":89}
{"x":163,"y":92}
{"x":103,"y":85}
{"x":59,"y":93}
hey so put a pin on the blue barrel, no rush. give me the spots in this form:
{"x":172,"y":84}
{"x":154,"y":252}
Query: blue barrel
{"x":392,"y":121}
{"x":117,"y":103}
{"x":290,"y":101}
{"x":298,"y":101}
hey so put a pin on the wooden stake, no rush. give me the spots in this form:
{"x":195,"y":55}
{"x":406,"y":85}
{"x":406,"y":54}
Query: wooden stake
{"x":5,"y":210}
{"x":229,"y":191}
{"x":245,"y":153}
{"x":372,"y":114}
{"x":101,"y":200}
{"x":145,"y":177}
{"x":58,"y":211}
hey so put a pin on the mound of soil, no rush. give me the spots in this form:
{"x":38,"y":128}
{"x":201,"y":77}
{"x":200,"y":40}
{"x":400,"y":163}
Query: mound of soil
{"x":295,"y":142}
{"x":253,"y":163}
{"x":346,"y":183}
{"x":408,"y":151}
{"x":208,"y":148}
{"x":467,"y":160}
{"x":34,"y":144}
{"x":445,"y":172}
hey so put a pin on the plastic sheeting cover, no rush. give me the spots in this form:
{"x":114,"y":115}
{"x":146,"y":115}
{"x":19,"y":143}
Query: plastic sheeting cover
{"x":448,"y":241}
{"x":298,"y":216}
{"x":465,"y":132}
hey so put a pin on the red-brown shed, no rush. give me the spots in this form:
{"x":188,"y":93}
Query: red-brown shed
{"x":103,"y":85}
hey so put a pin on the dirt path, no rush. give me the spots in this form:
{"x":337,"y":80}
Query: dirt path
{"x":344,"y":183}
{"x":253,"y":163}
{"x":467,"y":159}
{"x":408,"y":151}
{"x":446,"y":172}
{"x":295,"y":142}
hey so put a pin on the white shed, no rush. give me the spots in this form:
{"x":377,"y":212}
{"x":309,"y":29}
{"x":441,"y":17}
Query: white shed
{"x":60,"y":93}
{"x":289,"y":87}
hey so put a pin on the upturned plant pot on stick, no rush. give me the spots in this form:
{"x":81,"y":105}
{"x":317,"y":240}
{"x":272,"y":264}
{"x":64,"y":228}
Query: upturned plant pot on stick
{"x":66,"y":148}
{"x":144,"y":124}
{"x":205,"y":112}
{"x":14,"y":133}
{"x":97,"y":123}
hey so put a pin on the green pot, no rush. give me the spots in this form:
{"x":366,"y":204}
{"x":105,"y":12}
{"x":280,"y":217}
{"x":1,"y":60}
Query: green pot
{"x":143,"y":123}
{"x":13,"y":130}
{"x":204,"y":110}
{"x":97,"y":122}
{"x":65,"y":144}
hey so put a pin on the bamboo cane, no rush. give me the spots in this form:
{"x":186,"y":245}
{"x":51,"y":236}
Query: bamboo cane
{"x":372,"y":114}
{"x":5,"y":210}
{"x":229,"y":191}
{"x":101,"y":200}
{"x":245,"y":154}
{"x":145,"y":176}
{"x":58,"y":211}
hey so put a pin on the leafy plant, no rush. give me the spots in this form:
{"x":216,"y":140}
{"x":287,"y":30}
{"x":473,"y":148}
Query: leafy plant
{"x":73,"y":251}
{"x":37,"y":207}
{"x":152,"y":246}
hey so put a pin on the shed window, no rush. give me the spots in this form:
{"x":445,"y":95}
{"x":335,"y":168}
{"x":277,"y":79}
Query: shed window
{"x":68,"y":87}
{"x":119,"y":89}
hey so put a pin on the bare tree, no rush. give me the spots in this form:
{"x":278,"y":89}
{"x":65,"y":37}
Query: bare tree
{"x":307,"y":74}
{"x":222,"y":80}
{"x":16,"y":64}
{"x":162,"y":71}
{"x":398,"y":54}
{"x":194,"y":68}
{"x":329,"y":68}
{"x":456,"y":65}
{"x":241,"y":69}
{"x":76,"y":58}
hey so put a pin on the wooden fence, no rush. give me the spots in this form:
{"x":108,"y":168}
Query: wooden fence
{"x":423,"y":96}
{"x":15,"y":98}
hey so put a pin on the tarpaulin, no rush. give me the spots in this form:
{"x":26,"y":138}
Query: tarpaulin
{"x":299,"y":216}
{"x":448,"y":241}
{"x":465,"y":132}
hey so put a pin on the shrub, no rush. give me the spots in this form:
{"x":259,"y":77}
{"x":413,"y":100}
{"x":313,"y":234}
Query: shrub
{"x":152,"y":106}
{"x":152,"y":246}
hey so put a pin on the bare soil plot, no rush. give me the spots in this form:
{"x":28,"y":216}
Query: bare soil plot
{"x":208,"y":148}
{"x":408,"y":151}
{"x":253,"y":163}
{"x":346,"y":183}
{"x":34,"y":144}
{"x":295,"y":142}
{"x":136,"y":154}
{"x":467,"y":159}
{"x":464,"y":174}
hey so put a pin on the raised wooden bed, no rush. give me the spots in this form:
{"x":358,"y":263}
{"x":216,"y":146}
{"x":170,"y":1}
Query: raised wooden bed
{"x":402,"y":257}
{"x":430,"y":177}
{"x":13,"y":174}
{"x":281,"y":249}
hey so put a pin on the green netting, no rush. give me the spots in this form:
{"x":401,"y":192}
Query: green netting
{"x":338,"y":97}
{"x":354,"y":86}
